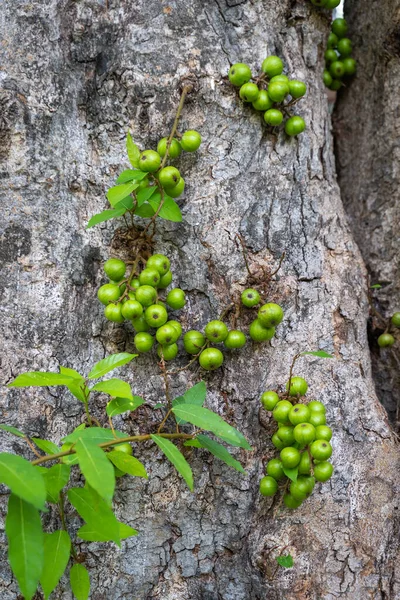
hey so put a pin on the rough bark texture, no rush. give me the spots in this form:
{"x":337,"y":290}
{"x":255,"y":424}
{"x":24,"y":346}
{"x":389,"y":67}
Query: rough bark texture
{"x":75,"y":77}
{"x":367,"y":118}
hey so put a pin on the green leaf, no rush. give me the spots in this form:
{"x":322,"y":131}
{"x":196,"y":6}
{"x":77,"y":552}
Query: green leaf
{"x":143,"y":195}
{"x":114,"y":387}
{"x":193,"y":443}
{"x":220,"y":452}
{"x":57,"y":548}
{"x":97,"y":435}
{"x":71,"y":373}
{"x":80,"y":582}
{"x":126,"y":203}
{"x":119,"y":192}
{"x":46,"y":446}
{"x":109,"y":363}
{"x":23,"y":479}
{"x":206,"y":419}
{"x":25,"y":544}
{"x":40,"y":379}
{"x":105,"y":215}
{"x":55,"y":479}
{"x":13,"y":430}
{"x":376,"y":286}
{"x":291,"y":473}
{"x":285,"y":561}
{"x":127,"y":464}
{"x":126,"y":531}
{"x":132,"y":151}
{"x":77,"y":387}
{"x":169,"y":210}
{"x":91,"y":534}
{"x":158,"y":405}
{"x":97,"y":514}
{"x":130,"y":175}
{"x":194,"y":395}
{"x":96,"y":468}
{"x":176,"y":457}
{"x":117,"y":406}
{"x":319,"y":353}
{"x":145,"y":211}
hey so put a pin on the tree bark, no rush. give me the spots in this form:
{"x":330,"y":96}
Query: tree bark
{"x":367,"y":115}
{"x":76,"y":76}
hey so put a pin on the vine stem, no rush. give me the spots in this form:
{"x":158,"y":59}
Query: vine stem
{"x":131,"y":438}
{"x":296,"y":356}
{"x":185,"y":91}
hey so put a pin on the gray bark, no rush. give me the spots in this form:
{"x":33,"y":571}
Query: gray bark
{"x":369,"y":178}
{"x":76,"y":76}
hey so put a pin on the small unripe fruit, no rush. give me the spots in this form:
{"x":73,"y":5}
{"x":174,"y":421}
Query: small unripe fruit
{"x":115,"y":269}
{"x":249,"y":92}
{"x":168,"y":352}
{"x":216,"y":331}
{"x":275,"y":469}
{"x":316,"y":407}
{"x":290,"y":457}
{"x":250,"y":297}
{"x":277,"y":442}
{"x":269,"y":400}
{"x":350,"y":66}
{"x":165,"y":280}
{"x":297,"y":88}
{"x":149,"y":277}
{"x":317,"y":419}
{"x":177,"y":326}
{"x":108,"y":293}
{"x":167,"y":334}
{"x":169,"y":177}
{"x":112,"y":312}
{"x":330,"y":55}
{"x":299,"y":489}
{"x":134,"y":284}
{"x":146,"y":295}
{"x":177,"y":190}
{"x":282,"y":410}
{"x":268,"y":486}
{"x":193,"y":341}
{"x":323,"y":471}
{"x":277,"y":90}
{"x":386,"y":340}
{"x":335,"y":85}
{"x":300,"y":413}
{"x":339,"y":27}
{"x":174,"y":149}
{"x":331,"y":4}
{"x":319,"y":3}
{"x":270,"y":315}
{"x":323,"y":432}
{"x":140,"y":324}
{"x":211,"y":358}
{"x":321,"y":449}
{"x":273,"y":117}
{"x":156,"y":315}
{"x":149,"y":161}
{"x":284,"y":78}
{"x":235,"y":339}
{"x":190,"y":141}
{"x":344,"y":46}
{"x":131,"y":309}
{"x":286,"y":435}
{"x":271,"y":66}
{"x":143,"y":341}
{"x":304,"y":433}
{"x":259,"y":333}
{"x":239,"y":74}
{"x":291,"y":502}
{"x":176,"y":299}
{"x":327,"y":78}
{"x":125,"y":448}
{"x":337,"y":69}
{"x":396,"y":319}
{"x":332,"y":40}
{"x":160,"y":263}
{"x":263,"y":101}
{"x":305,"y":464}
{"x":295,"y":125}
{"x":298,"y":386}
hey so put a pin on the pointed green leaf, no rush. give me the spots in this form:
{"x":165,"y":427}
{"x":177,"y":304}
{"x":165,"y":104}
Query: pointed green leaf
{"x":131,"y":175}
{"x":143,"y":195}
{"x":105,"y":215}
{"x":97,"y":514}
{"x":145,"y":211}
{"x":291,"y":473}
{"x":193,"y":443}
{"x":117,"y":406}
{"x":114,"y":387}
{"x":176,"y":457}
{"x":89,"y":533}
{"x":71,"y":373}
{"x":208,"y":420}
{"x":46,"y":446}
{"x":194,"y":395}
{"x":158,"y":405}
{"x":95,"y":467}
{"x":80,"y":582}
{"x":319,"y":353}
{"x":40,"y":379}
{"x":285,"y":561}
{"x":25,"y":544}
{"x":127,"y":464}
{"x":119,"y":192}
{"x":169,"y":210}
{"x":109,"y":363}
{"x":376,"y":286}
{"x":23,"y":479}
{"x":13,"y":430}
{"x":132,"y":151}
{"x":220,"y":452}
{"x":57,"y":548}
{"x":97,"y":435}
{"x":55,"y":479}
{"x":77,"y":387}
{"x":126,"y":531}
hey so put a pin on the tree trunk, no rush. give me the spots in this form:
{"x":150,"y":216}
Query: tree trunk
{"x":366,"y":117}
{"x":77,"y":75}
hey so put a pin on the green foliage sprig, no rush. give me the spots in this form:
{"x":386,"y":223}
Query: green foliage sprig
{"x":101,"y":454}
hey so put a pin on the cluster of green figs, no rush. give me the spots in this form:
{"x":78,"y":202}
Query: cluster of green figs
{"x":136,"y":298}
{"x":338,"y":61}
{"x":303,"y":440}
{"x":268,"y":92}
{"x":386,"y":339}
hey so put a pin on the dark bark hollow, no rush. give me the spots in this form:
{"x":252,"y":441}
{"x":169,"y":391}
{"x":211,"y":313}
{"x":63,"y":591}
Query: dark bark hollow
{"x":77,"y":76}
